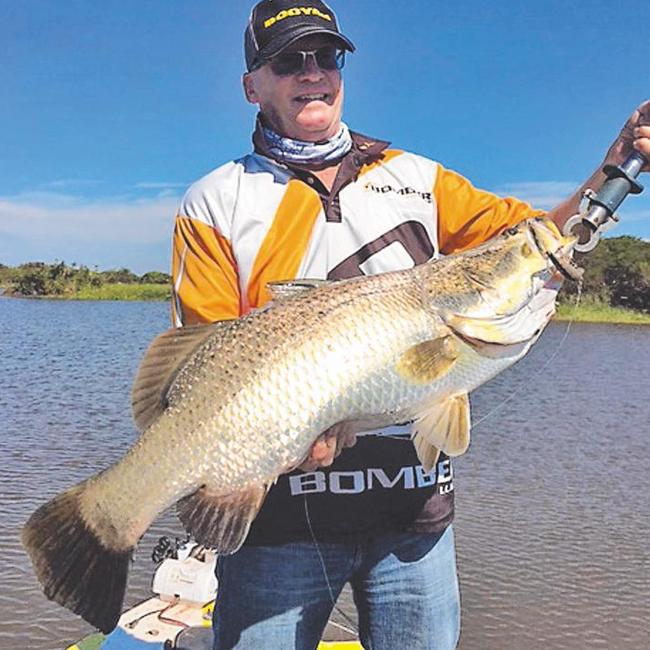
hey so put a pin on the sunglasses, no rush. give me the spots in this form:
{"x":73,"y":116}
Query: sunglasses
{"x":326,"y":58}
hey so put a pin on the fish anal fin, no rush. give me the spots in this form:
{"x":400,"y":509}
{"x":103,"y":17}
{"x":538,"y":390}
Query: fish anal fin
{"x":427,"y":453}
{"x":428,"y":361}
{"x":444,"y":425}
{"x":166,"y":354}
{"x":221,"y":521}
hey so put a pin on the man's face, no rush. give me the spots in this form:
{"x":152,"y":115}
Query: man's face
{"x":306,"y":105}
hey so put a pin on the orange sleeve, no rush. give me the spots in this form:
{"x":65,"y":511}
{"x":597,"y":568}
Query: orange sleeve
{"x":468,"y":217}
{"x":204,"y":272}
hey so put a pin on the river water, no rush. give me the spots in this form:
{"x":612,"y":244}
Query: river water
{"x":553,"y":499}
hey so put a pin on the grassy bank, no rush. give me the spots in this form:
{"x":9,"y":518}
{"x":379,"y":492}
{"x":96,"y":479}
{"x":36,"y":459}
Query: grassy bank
{"x":124,"y":292}
{"x":129,"y":292}
{"x":594,"y":312}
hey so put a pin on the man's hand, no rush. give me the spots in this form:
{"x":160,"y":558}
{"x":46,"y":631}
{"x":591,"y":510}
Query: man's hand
{"x":635,"y":136}
{"x":328,"y":446}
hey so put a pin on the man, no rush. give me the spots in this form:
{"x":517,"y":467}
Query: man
{"x":316,"y":200}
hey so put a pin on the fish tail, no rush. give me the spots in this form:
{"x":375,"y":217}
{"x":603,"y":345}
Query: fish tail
{"x":75,"y":567}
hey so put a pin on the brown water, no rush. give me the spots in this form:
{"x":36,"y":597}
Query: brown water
{"x":553,"y":524}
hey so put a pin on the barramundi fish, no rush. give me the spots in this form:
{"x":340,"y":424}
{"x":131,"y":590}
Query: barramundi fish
{"x":224,"y":409}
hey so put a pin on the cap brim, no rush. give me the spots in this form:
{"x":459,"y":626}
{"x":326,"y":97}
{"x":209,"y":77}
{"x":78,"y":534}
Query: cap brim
{"x":301,"y":32}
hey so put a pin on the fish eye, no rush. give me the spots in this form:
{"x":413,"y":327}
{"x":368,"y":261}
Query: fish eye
{"x":509,"y":232}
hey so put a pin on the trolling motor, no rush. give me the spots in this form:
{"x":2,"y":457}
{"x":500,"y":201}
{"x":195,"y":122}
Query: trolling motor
{"x":599,"y":215}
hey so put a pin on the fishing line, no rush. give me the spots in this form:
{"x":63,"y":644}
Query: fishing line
{"x":538,"y":372}
{"x":354,"y":628}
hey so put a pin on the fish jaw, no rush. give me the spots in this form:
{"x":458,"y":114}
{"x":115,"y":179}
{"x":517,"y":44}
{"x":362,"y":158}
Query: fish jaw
{"x":503,"y":275}
{"x":548,"y":237}
{"x":559,"y":248}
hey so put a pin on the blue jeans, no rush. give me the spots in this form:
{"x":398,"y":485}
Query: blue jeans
{"x":404,"y":584}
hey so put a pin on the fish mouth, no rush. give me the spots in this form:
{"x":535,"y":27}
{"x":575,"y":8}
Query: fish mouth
{"x":564,"y":263}
{"x":558,"y":248}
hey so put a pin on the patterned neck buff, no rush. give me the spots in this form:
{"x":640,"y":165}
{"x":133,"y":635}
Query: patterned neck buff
{"x":298,"y":152}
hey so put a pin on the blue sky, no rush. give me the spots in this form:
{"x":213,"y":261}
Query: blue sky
{"x":110,"y":109}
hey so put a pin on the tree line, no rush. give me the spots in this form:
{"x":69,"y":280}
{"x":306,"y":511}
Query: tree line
{"x":61,"y":279}
{"x":617,"y":273}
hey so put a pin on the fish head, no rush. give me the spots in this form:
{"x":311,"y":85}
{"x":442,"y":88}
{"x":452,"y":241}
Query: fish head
{"x":505,"y":273}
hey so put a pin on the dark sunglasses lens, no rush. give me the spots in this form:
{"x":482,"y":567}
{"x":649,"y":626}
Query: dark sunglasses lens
{"x":287,"y":63}
{"x":327,"y":58}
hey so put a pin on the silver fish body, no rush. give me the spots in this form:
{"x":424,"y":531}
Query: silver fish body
{"x":225,"y":409}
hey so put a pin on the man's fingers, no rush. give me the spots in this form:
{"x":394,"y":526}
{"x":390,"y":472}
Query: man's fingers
{"x":323,"y":450}
{"x":345,"y":441}
{"x":641,"y":142}
{"x":640,"y":117}
{"x":321,"y":454}
{"x":633,"y":137}
{"x":327,"y":447}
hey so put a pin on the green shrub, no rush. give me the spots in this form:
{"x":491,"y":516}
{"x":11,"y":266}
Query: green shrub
{"x":123,"y":276}
{"x":155,"y":277}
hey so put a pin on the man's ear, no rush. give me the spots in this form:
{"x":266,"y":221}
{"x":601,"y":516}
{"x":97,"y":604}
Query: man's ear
{"x":248,"y":83}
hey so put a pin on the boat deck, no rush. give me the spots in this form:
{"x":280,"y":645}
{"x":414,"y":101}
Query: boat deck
{"x":156,"y":624}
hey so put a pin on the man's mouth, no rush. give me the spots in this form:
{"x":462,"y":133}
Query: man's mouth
{"x":312,"y":97}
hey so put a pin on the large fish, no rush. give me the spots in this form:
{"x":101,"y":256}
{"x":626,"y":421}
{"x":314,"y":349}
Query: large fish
{"x":224,"y":409}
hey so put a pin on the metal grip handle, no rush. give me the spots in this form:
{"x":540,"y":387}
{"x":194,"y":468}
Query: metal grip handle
{"x":621,"y":181}
{"x":634,"y":164}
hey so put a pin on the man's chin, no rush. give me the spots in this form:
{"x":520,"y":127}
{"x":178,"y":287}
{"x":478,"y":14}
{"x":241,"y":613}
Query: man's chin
{"x":316,"y":130}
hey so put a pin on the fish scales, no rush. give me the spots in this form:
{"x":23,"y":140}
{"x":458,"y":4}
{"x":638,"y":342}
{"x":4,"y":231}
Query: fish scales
{"x":292,"y":385}
{"x":224,"y":409}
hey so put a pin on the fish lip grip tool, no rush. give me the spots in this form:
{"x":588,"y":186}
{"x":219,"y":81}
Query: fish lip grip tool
{"x":599,"y":214}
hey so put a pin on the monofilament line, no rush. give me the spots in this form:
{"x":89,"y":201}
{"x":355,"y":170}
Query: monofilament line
{"x":354,"y":628}
{"x":538,"y":372}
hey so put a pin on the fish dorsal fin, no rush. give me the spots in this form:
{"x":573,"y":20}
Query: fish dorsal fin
{"x":221,"y":521}
{"x":291,"y":288}
{"x":444,"y":425}
{"x":428,"y":361}
{"x":159,"y":367}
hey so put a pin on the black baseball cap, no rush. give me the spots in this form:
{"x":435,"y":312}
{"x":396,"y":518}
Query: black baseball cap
{"x":276,"y":24}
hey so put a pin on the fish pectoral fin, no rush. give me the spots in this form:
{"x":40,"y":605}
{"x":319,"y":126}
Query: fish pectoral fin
{"x":428,"y":361}
{"x":442,"y":426}
{"x":289,"y":288}
{"x":509,"y":329}
{"x":221,"y":521}
{"x":159,"y":367}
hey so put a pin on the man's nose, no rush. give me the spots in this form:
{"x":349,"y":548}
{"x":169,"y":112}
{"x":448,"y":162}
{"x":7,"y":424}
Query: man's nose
{"x":310,"y":68}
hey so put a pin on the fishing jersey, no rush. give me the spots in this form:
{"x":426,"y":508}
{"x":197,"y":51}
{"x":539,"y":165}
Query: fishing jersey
{"x":253,"y":221}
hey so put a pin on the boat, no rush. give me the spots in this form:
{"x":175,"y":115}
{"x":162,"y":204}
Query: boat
{"x":178,"y":616}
